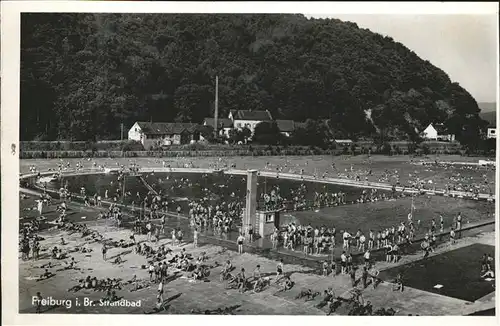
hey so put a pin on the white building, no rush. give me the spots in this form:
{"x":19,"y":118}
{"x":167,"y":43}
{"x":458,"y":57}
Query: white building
{"x":249,"y":119}
{"x":437,"y":132}
{"x":151,"y":134}
{"x":492,"y":132}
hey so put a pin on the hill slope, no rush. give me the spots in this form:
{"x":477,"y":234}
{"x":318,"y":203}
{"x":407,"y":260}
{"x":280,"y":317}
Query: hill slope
{"x":490,"y":117}
{"x":487,"y":106}
{"x":83,"y":74}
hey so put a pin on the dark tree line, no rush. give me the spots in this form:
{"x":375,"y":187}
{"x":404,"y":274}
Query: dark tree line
{"x":84,"y":74}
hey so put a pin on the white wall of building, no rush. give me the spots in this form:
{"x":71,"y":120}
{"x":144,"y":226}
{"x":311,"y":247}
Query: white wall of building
{"x":135,"y":133}
{"x":492,"y":133}
{"x":430,"y":132}
{"x":250,"y":124}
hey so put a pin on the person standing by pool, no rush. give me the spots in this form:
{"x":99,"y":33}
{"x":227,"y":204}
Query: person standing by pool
{"x":362,"y":241}
{"x":366,"y":257}
{"x":346,"y":237}
{"x":148,"y":228}
{"x":104,"y":251}
{"x":350,"y":264}
{"x":240,"y":241}
{"x":40,"y":206}
{"x":250,"y":233}
{"x":173,"y":234}
{"x":433,"y":226}
{"x":195,"y":237}
{"x":343,"y":263}
{"x":388,"y":253}
{"x":274,"y":238}
{"x":459,"y":224}
{"x":305,"y":241}
{"x":162,"y":224}
{"x":356,"y":237}
{"x":279,"y":271}
{"x":371,"y":240}
{"x":395,"y":253}
{"x":179,"y":236}
{"x":384,"y":237}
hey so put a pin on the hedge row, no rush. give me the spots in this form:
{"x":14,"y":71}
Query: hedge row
{"x":105,"y":145}
{"x":213,"y":153}
{"x":269,"y":151}
{"x":128,"y":145}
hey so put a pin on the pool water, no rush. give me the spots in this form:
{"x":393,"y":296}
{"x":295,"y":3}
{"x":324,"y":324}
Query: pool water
{"x":219,"y":188}
{"x":458,"y":271}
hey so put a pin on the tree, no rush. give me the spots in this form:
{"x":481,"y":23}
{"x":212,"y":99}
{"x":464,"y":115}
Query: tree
{"x":207,"y":132}
{"x":245,"y":134}
{"x":239,"y":135}
{"x":83,"y":74}
{"x":267,"y":133}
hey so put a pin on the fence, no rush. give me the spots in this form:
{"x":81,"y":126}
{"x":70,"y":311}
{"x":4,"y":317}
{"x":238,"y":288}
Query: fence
{"x":186,"y":153}
{"x":105,"y":149}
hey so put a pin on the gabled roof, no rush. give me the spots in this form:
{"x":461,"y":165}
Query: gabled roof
{"x":223,"y":123}
{"x":440,"y":128}
{"x":166,"y":128}
{"x":252,"y":115}
{"x":286,"y":125}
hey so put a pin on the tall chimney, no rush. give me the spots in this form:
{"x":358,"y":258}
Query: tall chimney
{"x":216,"y":114}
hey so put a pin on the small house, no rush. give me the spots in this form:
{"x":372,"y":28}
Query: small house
{"x":492,"y":132}
{"x":437,"y":132}
{"x":248,"y":119}
{"x":157,"y":134}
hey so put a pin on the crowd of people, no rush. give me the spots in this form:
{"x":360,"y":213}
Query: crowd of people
{"x":223,"y":216}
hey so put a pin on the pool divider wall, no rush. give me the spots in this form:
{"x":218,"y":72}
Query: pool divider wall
{"x":250,"y":213}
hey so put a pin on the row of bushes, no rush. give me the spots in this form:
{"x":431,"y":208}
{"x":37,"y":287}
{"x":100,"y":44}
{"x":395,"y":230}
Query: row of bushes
{"x":104,"y":145}
{"x":269,"y":151}
{"x":129,"y":145}
{"x":212,"y":153}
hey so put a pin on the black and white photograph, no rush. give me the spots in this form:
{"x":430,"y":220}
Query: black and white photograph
{"x":250,"y":163}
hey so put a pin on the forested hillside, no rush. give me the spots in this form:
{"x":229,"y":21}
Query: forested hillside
{"x":84,"y":74}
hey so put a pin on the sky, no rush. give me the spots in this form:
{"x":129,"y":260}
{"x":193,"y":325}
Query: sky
{"x":464,"y":46}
